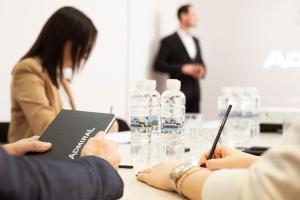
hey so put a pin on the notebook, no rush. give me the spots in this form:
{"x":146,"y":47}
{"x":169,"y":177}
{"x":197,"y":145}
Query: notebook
{"x":69,"y":132}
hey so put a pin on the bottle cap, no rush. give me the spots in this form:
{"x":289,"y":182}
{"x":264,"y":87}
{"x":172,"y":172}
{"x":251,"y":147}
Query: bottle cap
{"x":141,"y":84}
{"x":226,"y":90}
{"x":151,"y":84}
{"x":252,"y":90}
{"x":238,"y":90}
{"x":173,"y":84}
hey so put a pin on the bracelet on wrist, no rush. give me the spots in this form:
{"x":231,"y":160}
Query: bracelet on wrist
{"x":181,"y":180}
{"x":177,"y":172}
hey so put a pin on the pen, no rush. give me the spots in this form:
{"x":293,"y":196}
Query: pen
{"x":126,"y":166}
{"x":213,"y":148}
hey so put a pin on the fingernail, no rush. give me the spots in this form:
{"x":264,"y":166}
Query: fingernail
{"x":137,"y":173}
{"x":46,"y":144}
{"x":203,"y":165}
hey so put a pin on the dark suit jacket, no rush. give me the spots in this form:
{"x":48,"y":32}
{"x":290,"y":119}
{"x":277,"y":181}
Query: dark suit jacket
{"x":171,"y":57}
{"x":83,"y":179}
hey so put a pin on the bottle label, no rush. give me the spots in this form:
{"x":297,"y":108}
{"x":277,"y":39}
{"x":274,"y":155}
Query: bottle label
{"x":153,"y":123}
{"x":138,"y":124}
{"x":170,"y":125}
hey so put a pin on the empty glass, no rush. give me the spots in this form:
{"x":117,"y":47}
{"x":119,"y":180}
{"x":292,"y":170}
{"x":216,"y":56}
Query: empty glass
{"x":200,"y":141}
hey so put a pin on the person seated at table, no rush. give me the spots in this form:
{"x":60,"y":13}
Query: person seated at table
{"x":39,"y":87}
{"x":235,"y":175}
{"x":93,"y":176}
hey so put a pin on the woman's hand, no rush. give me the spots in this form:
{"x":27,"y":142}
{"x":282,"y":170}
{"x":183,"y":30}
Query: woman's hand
{"x":23,"y":146}
{"x":159,"y":175}
{"x":226,"y":158}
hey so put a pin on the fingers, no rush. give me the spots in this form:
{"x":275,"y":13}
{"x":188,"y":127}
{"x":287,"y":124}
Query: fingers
{"x":146,"y":170}
{"x":143,"y":176}
{"x":31,"y":144}
{"x":114,"y":158}
{"x":214,"y":164}
{"x":100,"y":135}
{"x":37,"y":146}
{"x":33,"y":138}
{"x":203,"y":159}
{"x":217,"y":154}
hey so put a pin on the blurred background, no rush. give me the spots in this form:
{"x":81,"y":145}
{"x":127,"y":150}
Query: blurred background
{"x":244,"y":43}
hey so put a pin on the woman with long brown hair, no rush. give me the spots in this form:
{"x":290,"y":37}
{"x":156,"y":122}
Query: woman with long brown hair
{"x":39,"y":89}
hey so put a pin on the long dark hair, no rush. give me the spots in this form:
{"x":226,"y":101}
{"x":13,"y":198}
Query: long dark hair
{"x":66,"y":24}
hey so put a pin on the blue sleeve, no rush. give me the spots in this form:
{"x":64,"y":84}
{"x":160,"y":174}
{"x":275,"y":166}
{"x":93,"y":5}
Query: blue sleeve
{"x":83,"y":179}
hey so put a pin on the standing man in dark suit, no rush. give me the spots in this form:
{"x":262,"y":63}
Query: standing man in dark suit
{"x":180,"y":56}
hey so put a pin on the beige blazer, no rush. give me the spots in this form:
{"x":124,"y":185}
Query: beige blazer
{"x":35,"y":101}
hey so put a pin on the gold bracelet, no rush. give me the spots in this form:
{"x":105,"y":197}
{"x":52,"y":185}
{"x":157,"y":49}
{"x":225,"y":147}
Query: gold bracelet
{"x":183,"y":177}
{"x":177,"y":172}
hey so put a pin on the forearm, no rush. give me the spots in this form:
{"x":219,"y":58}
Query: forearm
{"x":87,"y":178}
{"x":192,"y":185}
{"x":164,"y":66}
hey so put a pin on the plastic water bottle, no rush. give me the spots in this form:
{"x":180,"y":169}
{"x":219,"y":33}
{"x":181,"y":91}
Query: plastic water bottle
{"x":255,"y":129}
{"x":154,"y":123}
{"x":172,"y":120}
{"x":242,"y":125}
{"x":232,"y":136}
{"x":223,"y":102}
{"x":154,"y":107}
{"x":139,"y":125}
{"x":257,"y":102}
{"x":247,"y":118}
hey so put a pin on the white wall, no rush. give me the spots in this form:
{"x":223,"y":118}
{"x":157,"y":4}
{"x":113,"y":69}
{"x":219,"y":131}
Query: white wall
{"x":236,"y":37}
{"x":18,"y":31}
{"x":103,"y":82}
{"x":149,"y":22}
{"x":129,"y":33}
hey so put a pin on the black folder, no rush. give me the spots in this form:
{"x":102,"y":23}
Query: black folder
{"x":70,"y":130}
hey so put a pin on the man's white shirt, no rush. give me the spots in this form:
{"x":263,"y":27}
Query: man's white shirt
{"x":188,"y":42}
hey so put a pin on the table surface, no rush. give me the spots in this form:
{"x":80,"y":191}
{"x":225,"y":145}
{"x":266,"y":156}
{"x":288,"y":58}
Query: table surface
{"x":135,"y":190}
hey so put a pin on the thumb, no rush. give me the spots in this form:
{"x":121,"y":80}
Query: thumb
{"x":214,"y":164}
{"x":33,"y":138}
{"x":37,"y":146}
